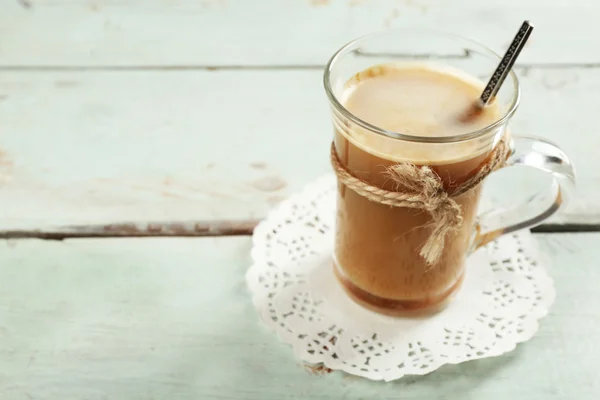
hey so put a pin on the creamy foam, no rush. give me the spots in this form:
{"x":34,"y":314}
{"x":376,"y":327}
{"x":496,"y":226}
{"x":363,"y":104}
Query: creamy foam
{"x":417,"y":100}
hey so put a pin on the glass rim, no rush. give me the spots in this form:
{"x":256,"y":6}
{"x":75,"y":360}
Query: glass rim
{"x":413,"y":138}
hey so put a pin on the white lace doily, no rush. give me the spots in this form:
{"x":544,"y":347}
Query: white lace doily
{"x":505,"y":291}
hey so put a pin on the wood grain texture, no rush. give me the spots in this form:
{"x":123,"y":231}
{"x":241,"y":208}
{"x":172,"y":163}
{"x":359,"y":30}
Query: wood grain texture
{"x":149,"y":146}
{"x":171,"y":319}
{"x":272,"y":32}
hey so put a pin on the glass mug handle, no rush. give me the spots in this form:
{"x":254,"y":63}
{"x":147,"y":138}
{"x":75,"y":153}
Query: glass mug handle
{"x":543,"y":155}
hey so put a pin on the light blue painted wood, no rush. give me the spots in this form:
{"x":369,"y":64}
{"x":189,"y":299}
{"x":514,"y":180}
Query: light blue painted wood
{"x":171,"y":319}
{"x":86,"y":146}
{"x":273,"y":32}
{"x":100,"y":147}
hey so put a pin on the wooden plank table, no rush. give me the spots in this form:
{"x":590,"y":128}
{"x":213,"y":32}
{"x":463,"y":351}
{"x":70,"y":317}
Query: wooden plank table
{"x":170,"y":318}
{"x":194,"y":118}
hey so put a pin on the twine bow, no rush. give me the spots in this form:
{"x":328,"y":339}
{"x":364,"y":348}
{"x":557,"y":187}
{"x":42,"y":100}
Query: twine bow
{"x":423,"y":189}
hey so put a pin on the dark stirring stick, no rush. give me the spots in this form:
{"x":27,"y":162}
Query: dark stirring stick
{"x":491,"y":89}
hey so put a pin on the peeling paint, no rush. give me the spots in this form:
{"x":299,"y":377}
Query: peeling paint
{"x":269,"y":184}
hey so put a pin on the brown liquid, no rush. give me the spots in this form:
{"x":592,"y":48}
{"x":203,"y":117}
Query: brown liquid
{"x":377,"y":246}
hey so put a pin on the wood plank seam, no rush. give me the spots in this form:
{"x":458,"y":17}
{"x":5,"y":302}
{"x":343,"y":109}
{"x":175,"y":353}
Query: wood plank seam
{"x":265,"y":67}
{"x":201,"y":229}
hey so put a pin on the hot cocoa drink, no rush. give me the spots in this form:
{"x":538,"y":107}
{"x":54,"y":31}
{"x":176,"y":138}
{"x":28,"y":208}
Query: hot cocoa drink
{"x":377,"y":252}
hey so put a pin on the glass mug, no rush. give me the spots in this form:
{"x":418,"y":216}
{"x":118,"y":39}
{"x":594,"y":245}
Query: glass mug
{"x":377,"y":247}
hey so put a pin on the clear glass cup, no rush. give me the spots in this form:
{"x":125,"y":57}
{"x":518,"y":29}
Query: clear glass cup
{"x":376,"y":255}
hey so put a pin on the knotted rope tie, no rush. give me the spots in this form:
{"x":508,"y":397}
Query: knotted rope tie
{"x":423,"y":189}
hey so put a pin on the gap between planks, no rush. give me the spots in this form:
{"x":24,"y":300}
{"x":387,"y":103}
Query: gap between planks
{"x":183,"y":68}
{"x":201,"y":229}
